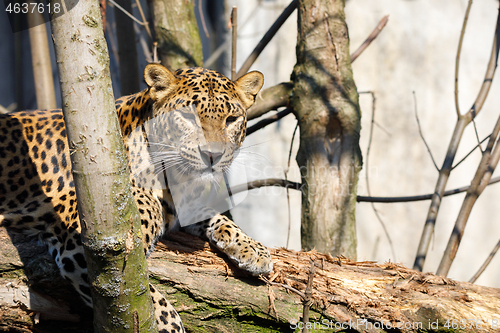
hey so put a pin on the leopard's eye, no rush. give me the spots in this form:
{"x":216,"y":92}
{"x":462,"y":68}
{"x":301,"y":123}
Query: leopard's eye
{"x":231,"y":119}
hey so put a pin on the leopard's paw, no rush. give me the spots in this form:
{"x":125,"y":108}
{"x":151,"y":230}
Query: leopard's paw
{"x":245,"y":252}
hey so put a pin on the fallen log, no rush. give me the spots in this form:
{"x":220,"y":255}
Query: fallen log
{"x":212,"y":295}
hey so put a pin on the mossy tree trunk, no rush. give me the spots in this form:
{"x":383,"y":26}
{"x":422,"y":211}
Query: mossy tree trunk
{"x":212,"y":295}
{"x":110,"y":221}
{"x":325,"y":101}
{"x":176,"y":31}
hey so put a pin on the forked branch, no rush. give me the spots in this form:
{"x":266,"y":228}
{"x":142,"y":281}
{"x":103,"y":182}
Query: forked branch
{"x":462,"y":122}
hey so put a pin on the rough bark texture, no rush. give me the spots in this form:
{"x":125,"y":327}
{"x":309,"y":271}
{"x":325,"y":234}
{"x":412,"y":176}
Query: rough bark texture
{"x":325,"y":101}
{"x":212,"y":295}
{"x":110,"y":221}
{"x":176,"y":31}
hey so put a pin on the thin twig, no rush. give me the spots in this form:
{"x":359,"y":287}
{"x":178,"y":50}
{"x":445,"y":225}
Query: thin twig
{"x":127,"y":13}
{"x":292,"y":289}
{"x":202,"y":18}
{"x":222,"y":47}
{"x":370,"y":137}
{"x":306,"y":301}
{"x":143,"y":17}
{"x":463,"y":121}
{"x":269,"y":120}
{"x":470,"y":152}
{"x":287,"y":189}
{"x":421,"y":134}
{"x":477,"y":134}
{"x":370,"y":38}
{"x":234,"y":27}
{"x":485,"y":264}
{"x":457,"y":60}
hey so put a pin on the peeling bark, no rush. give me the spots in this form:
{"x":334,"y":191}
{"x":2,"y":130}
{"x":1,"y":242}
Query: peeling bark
{"x":212,"y":295}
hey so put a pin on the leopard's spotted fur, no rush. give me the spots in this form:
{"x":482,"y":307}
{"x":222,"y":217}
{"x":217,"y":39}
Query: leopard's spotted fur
{"x":37,"y":195}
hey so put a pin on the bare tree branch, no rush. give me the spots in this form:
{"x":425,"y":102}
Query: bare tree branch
{"x":462,"y":122}
{"x":457,"y":61}
{"x":307,"y":300}
{"x":470,"y":152}
{"x":485,"y":264}
{"x":360,"y":198}
{"x":379,"y":218}
{"x":269,"y":120}
{"x":421,"y":134}
{"x":370,"y":38}
{"x":270,"y":99}
{"x":417,"y":197}
{"x":483,"y":175}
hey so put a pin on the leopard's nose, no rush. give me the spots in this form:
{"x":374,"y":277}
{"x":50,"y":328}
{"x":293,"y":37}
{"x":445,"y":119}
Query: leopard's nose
{"x":210,"y":158}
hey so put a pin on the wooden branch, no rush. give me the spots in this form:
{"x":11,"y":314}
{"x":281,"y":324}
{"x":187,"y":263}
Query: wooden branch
{"x":211,"y":294}
{"x":267,"y":38}
{"x":370,"y":38}
{"x":486,"y":167}
{"x":269,"y":120}
{"x":360,"y":198}
{"x":270,"y":99}
{"x":444,"y":173}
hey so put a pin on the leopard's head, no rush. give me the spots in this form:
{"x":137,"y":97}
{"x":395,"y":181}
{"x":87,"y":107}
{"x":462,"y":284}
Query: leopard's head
{"x":199,"y":116}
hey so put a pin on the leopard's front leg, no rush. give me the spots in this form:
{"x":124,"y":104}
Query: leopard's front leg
{"x":245,"y":252}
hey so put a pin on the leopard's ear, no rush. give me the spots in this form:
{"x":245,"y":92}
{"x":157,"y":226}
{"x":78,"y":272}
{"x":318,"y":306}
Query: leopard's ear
{"x":249,"y":85}
{"x":160,"y":81}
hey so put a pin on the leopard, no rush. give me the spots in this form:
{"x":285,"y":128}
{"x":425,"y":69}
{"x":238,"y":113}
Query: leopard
{"x":37,"y":190}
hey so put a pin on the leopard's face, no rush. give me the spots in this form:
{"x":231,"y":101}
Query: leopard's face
{"x":199,"y":118}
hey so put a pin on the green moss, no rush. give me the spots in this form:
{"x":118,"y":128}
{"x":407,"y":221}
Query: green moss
{"x":202,"y":315}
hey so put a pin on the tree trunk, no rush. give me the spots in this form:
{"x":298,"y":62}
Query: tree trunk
{"x":176,"y":31}
{"x":42,"y":66}
{"x":212,"y":295}
{"x":325,"y":101}
{"x":111,"y":228}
